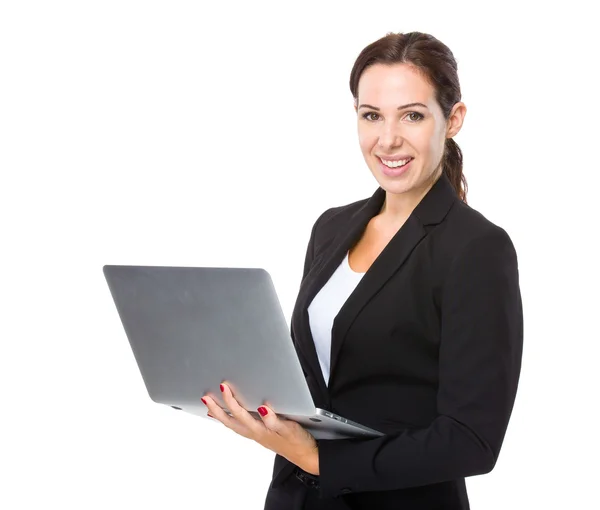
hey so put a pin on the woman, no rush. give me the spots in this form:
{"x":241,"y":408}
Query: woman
{"x":428,"y":332}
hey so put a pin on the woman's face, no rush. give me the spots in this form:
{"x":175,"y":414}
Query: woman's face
{"x":391,"y":127}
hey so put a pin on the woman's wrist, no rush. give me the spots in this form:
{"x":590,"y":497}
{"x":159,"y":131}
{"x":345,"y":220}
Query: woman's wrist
{"x":312,"y":464}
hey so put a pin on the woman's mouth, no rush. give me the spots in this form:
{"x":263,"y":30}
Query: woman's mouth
{"x":396,"y":170}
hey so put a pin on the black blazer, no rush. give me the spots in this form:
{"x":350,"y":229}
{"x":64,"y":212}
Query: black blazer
{"x":427,"y":349}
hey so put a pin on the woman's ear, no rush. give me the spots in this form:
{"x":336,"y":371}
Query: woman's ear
{"x":456,"y":119}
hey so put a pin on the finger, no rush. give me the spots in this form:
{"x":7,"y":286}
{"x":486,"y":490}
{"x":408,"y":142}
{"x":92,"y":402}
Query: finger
{"x":271,"y":420}
{"x":215,"y":411}
{"x":230,"y":422}
{"x":289,"y":429}
{"x":238,"y":412}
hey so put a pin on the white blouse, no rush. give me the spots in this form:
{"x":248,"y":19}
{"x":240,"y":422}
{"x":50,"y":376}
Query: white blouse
{"x":326,"y":305}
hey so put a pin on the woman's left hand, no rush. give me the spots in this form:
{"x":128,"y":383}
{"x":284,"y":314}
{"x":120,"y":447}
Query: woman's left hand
{"x":285,"y":437}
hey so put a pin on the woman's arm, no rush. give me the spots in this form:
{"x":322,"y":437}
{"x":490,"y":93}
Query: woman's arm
{"x":479,"y":366}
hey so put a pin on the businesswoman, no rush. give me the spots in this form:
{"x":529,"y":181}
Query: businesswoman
{"x":409,"y":316}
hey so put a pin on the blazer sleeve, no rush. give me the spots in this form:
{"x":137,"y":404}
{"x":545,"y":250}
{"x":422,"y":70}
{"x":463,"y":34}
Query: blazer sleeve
{"x":479,"y":365}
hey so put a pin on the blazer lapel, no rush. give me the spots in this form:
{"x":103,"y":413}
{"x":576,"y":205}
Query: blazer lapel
{"x":430,"y":210}
{"x":321,"y":270}
{"x":384,"y":266}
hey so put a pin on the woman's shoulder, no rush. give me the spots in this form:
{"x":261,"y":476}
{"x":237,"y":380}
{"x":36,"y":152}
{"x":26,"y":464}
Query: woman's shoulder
{"x":466,"y":230}
{"x":341,"y":212}
{"x":331,"y":220}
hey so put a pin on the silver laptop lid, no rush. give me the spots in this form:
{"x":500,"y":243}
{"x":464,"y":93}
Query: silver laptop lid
{"x":190,"y":328}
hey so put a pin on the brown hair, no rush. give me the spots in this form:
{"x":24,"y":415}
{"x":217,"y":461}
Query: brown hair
{"x":437,"y":64}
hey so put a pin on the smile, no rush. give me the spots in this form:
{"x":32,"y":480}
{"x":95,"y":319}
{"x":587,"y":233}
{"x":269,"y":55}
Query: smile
{"x":398,"y":168}
{"x":396,"y":164}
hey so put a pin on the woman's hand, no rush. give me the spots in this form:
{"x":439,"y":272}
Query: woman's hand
{"x":285,"y":437}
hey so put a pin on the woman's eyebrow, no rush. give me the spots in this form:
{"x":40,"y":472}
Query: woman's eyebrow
{"x":410,"y":105}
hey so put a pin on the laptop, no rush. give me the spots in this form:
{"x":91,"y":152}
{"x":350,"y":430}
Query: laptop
{"x":191,"y":328}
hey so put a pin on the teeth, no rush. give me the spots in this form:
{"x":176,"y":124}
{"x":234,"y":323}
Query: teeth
{"x":395,"y":164}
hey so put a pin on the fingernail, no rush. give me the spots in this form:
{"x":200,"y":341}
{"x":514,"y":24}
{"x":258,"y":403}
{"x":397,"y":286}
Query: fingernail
{"x":262,"y":411}
{"x":222,"y":388}
{"x":208,"y":414}
{"x":204,"y":401}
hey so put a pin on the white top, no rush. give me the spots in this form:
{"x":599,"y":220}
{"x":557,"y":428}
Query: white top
{"x":326,"y":305}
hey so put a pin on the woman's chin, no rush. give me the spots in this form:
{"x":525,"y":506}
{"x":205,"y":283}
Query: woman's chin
{"x":393,"y":185}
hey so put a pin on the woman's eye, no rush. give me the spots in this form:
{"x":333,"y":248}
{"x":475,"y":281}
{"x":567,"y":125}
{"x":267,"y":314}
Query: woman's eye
{"x":419,"y":116}
{"x":366,"y":115}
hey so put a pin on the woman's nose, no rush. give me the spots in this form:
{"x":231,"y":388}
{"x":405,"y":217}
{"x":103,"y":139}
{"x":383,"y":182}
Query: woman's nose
{"x":390,"y":136}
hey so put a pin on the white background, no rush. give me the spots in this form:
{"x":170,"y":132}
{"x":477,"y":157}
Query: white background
{"x":180,"y":133}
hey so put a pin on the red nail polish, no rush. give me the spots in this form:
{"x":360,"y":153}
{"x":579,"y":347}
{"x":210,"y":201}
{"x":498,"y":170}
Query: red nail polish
{"x":208,"y":414}
{"x":203,"y":401}
{"x":222,"y":388}
{"x":262,"y":411}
